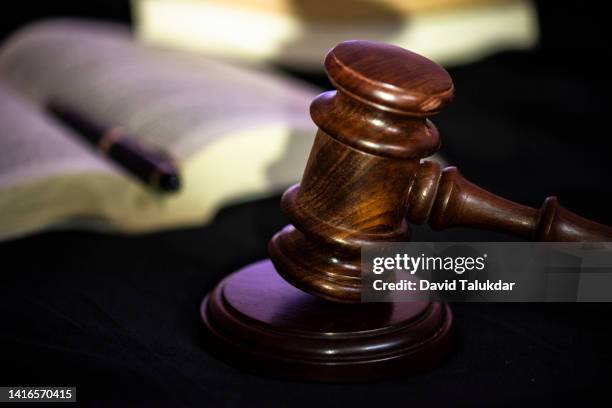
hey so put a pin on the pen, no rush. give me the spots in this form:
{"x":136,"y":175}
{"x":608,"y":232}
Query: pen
{"x":150,"y":165}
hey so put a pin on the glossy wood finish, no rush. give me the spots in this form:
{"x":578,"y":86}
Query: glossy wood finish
{"x":260,"y":323}
{"x":389,"y":78}
{"x":365,"y":175}
{"x":445,"y":199}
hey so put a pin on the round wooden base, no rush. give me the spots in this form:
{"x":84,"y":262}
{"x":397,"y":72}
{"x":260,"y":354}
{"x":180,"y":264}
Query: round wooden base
{"x":260,"y":323}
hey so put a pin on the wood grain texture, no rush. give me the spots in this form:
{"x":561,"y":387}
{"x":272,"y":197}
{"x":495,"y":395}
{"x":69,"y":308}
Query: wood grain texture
{"x":389,"y":78}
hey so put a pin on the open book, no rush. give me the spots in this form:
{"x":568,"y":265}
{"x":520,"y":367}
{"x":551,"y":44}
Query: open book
{"x":235,"y":134}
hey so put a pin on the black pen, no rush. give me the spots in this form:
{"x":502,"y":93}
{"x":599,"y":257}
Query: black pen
{"x":152,"y":166}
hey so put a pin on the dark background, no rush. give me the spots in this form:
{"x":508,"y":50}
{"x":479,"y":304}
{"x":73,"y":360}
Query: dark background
{"x":118,"y":316}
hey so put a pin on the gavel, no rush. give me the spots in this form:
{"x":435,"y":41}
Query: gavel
{"x":365,"y":182}
{"x":365,"y":179}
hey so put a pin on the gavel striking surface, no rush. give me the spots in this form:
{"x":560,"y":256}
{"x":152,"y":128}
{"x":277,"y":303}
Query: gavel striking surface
{"x":262,"y":324}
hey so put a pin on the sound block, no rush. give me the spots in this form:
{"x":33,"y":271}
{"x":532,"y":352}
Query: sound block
{"x":262,"y":324}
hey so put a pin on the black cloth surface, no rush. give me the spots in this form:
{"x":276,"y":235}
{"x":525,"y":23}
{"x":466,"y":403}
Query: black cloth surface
{"x":118,"y":316}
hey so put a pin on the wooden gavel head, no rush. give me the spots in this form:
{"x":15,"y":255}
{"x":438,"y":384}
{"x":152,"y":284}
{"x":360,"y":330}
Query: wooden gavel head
{"x":365,"y":177}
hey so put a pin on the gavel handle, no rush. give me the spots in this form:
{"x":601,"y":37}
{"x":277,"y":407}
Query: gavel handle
{"x":444,"y":199}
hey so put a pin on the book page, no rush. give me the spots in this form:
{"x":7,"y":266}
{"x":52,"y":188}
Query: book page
{"x":35,"y":147}
{"x":176,"y":101}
